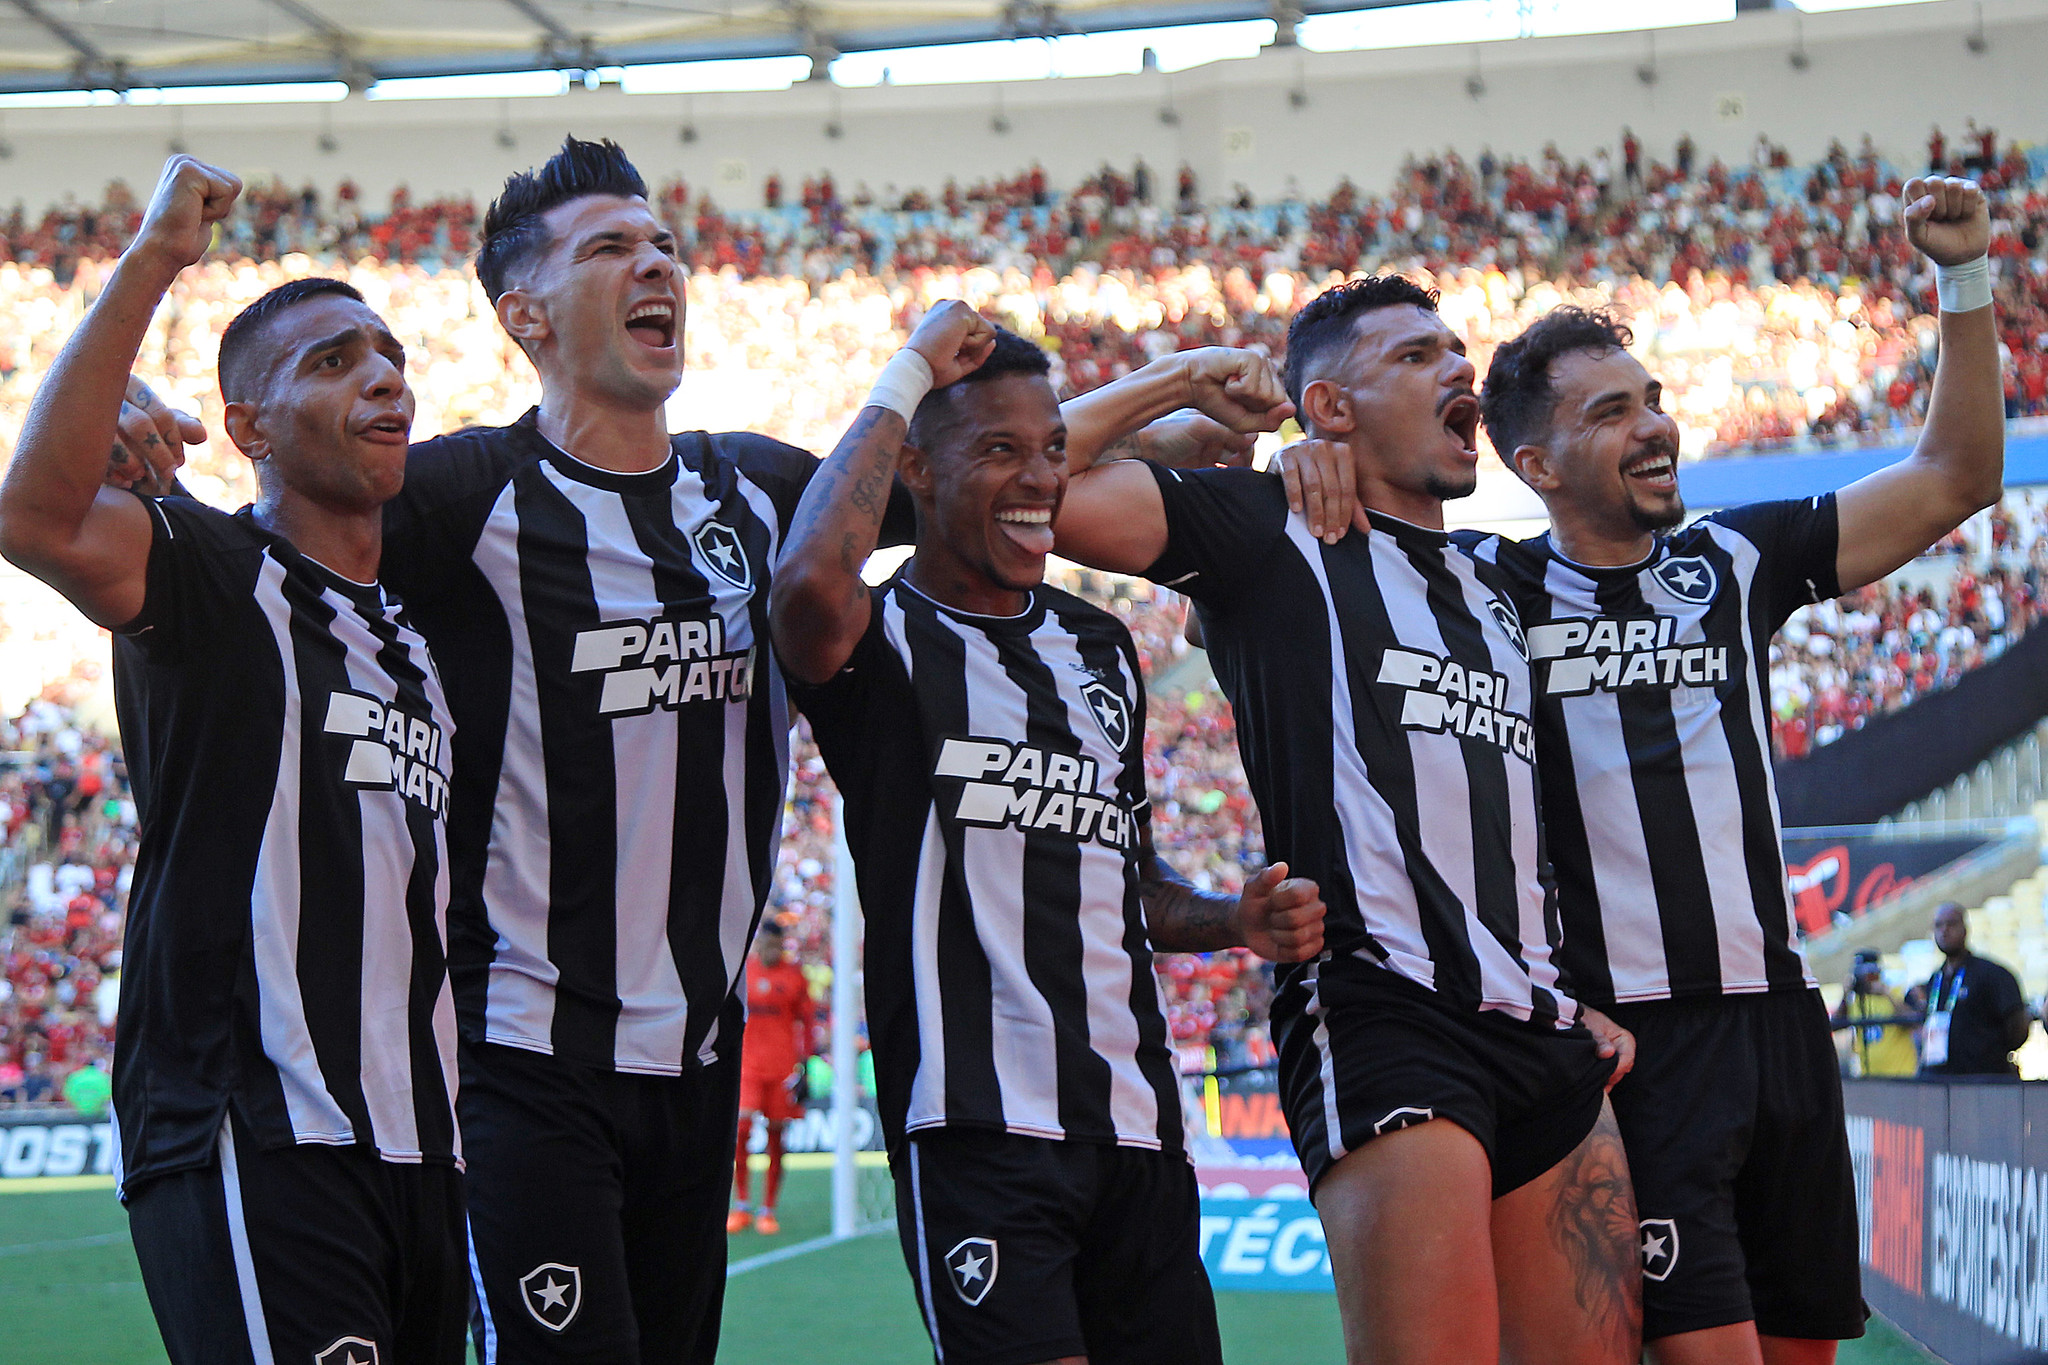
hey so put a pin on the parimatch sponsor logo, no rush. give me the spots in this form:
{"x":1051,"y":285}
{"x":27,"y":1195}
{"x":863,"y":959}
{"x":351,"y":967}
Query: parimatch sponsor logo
{"x":1616,"y":652}
{"x":390,"y":749}
{"x":668,"y":662}
{"x":1444,"y":697}
{"x":1033,"y":789}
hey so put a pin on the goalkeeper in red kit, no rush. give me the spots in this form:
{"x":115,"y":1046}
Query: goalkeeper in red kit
{"x":781,"y":1020}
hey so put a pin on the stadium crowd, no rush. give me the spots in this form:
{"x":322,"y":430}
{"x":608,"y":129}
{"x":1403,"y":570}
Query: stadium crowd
{"x":67,"y":844}
{"x":1780,"y":304}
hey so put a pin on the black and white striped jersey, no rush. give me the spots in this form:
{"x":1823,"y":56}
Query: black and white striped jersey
{"x":623,"y":736}
{"x":1382,"y":702}
{"x":993,"y":774}
{"x":1652,"y":721}
{"x":286,"y":939}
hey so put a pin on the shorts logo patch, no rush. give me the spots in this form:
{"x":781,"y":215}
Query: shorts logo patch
{"x":552,"y":1292}
{"x":348,"y":1351}
{"x":1404,"y":1117}
{"x":1660,"y":1248}
{"x":972,"y":1265}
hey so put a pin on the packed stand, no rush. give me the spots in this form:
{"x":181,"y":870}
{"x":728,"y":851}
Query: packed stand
{"x":1839,"y":663}
{"x":67,"y":845}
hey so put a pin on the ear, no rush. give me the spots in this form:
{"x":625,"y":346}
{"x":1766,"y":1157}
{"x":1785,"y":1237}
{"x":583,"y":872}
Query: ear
{"x":1533,"y":463}
{"x":1326,"y":409}
{"x":915,"y":471}
{"x":523,"y":316}
{"x":244,"y":426}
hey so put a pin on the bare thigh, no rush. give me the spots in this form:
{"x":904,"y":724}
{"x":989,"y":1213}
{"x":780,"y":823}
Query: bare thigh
{"x":1567,"y":1263}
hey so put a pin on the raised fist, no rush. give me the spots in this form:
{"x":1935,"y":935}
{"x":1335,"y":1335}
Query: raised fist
{"x":954,"y":340}
{"x":1240,"y":389}
{"x":1947,"y":218}
{"x":190,"y":198}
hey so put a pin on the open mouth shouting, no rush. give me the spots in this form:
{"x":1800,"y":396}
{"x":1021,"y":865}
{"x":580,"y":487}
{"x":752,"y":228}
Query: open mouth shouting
{"x":1655,"y":469}
{"x":387,"y":428}
{"x":1027,"y":528}
{"x":653,"y":324}
{"x":1460,"y":414}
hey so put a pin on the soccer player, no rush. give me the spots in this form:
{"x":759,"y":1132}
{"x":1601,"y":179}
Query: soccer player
{"x":286,"y":1051}
{"x":1651,"y":647}
{"x":781,"y":1021}
{"x":987,"y":732}
{"x":1443,"y":1088}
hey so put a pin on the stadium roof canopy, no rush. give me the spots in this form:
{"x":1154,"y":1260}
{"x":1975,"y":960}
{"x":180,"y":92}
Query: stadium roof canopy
{"x":122,"y":44}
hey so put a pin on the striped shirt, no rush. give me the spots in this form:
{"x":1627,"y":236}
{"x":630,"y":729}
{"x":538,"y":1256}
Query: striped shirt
{"x":624,"y":738}
{"x":1652,"y":719}
{"x":285,"y":948}
{"x":1382,"y":700}
{"x":993,"y":773}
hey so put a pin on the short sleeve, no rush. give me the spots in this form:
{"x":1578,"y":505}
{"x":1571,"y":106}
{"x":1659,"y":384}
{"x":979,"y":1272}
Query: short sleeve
{"x":1799,"y":541}
{"x":839,"y":709}
{"x":2005,"y":993}
{"x":1220,"y":524}
{"x":191,"y":571}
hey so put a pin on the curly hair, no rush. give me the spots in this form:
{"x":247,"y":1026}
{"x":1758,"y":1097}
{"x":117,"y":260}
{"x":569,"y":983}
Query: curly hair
{"x":1519,"y":398}
{"x":1326,"y":321}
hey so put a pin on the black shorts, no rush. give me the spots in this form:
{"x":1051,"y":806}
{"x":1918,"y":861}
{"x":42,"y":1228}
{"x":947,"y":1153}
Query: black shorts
{"x":304,"y":1254}
{"x":1365,"y":1051}
{"x":1026,"y":1249}
{"x":596,"y":1207}
{"x":1733,"y":1123}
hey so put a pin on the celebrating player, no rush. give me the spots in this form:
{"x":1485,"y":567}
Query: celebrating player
{"x":1442,"y":1087}
{"x":1651,"y":647}
{"x":781,"y":1019}
{"x":987,"y":732}
{"x":286,"y":1052}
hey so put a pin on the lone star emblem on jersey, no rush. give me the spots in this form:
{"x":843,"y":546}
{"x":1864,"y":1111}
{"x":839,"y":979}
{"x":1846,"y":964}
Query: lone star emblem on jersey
{"x":1111,"y":712}
{"x":348,"y":1351}
{"x":1660,"y":1247}
{"x":1405,"y":1117}
{"x":720,"y":547}
{"x":972,"y":1265}
{"x":1504,"y":615}
{"x":1688,"y":578}
{"x":552,"y":1292}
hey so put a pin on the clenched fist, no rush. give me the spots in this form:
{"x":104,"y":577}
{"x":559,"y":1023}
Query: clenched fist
{"x":1947,"y":218}
{"x":190,"y":198}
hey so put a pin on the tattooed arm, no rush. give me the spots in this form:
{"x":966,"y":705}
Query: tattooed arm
{"x":818,"y":608}
{"x":1278,"y":917}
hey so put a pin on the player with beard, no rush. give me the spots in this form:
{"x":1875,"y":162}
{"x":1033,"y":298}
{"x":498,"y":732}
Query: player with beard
{"x":1442,"y":1086}
{"x":988,"y":734}
{"x":286,"y":1050}
{"x":1652,"y":648}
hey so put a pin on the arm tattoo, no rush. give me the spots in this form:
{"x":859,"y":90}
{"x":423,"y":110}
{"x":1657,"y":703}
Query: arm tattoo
{"x":1182,"y":919}
{"x":1594,"y":1223}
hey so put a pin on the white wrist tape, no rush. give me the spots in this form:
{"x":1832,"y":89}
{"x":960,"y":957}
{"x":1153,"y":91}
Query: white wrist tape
{"x":1964,"y":288}
{"x":904,"y":382}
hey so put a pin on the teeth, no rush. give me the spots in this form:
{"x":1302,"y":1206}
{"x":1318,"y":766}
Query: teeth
{"x":1041,"y":517}
{"x":651,"y":310}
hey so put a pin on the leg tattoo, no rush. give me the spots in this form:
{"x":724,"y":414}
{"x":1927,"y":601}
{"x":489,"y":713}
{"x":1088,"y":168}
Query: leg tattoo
{"x":1594,"y":1223}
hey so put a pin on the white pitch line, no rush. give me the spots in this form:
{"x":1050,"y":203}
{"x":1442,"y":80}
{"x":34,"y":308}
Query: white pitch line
{"x":767,"y":1258}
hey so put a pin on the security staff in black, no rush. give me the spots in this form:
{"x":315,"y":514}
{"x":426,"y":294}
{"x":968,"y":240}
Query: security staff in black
{"x":285,"y":1067}
{"x":1974,"y":1014}
{"x":988,"y":735}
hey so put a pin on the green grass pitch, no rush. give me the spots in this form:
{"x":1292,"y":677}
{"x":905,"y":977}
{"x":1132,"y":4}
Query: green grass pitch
{"x":69,"y":1291}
